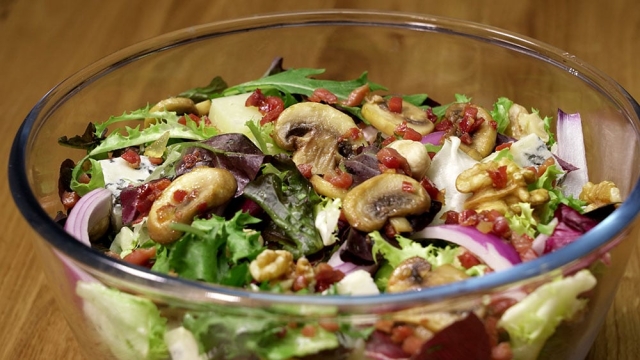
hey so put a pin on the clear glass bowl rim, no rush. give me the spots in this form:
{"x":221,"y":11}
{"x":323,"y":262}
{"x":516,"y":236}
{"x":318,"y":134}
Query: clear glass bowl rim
{"x":32,"y":211}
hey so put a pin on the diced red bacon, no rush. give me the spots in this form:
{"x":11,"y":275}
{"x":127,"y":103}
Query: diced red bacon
{"x":269,"y":106}
{"x":69,"y":199}
{"x":356,"y":96}
{"x":326,"y":276}
{"x":444,"y":125}
{"x":499,"y":177}
{"x":141,"y":257}
{"x":506,"y":145}
{"x":468,"y":260}
{"x":305,"y":170}
{"x":392,"y":159}
{"x":339,"y":179}
{"x":179,"y":195}
{"x":431,"y":116}
{"x":395,"y":104}
{"x":132,"y":158}
{"x":407,"y":187}
{"x":406,"y":132}
{"x":323,"y":95}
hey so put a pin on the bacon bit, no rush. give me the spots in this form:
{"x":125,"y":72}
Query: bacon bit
{"x":468,"y":217}
{"x":465,"y":138}
{"x":504,"y":146}
{"x":308,"y":331}
{"x":351,"y":134}
{"x":502,"y":351}
{"x":329,"y":325}
{"x":299,"y":283}
{"x":468,"y":260}
{"x":431,"y":116}
{"x":179,"y":195}
{"x":387,"y":141}
{"x":84,"y":178}
{"x":498,"y":306}
{"x":499,"y":177}
{"x":412,"y":345}
{"x":305,"y":170}
{"x":406,"y":132}
{"x":271,"y":110}
{"x":132,"y":158}
{"x":392,"y":159}
{"x":400,"y":333}
{"x":281,"y":333}
{"x":156,"y":160}
{"x":491,"y":326}
{"x":523,"y":245}
{"x":543,"y":167}
{"x":69,"y":199}
{"x":255,"y":99}
{"x":493,"y":124}
{"x":389,"y":231}
{"x":326,"y":276}
{"x":292,"y":325}
{"x":408,"y":187}
{"x":323,"y":95}
{"x":395,"y":104}
{"x":431,"y":189}
{"x":384,"y":325}
{"x":141,"y":257}
{"x":356,"y":96}
{"x":444,"y":125}
{"x":183,"y":120}
{"x":451,"y":217}
{"x":340,"y":179}
{"x":202,"y":207}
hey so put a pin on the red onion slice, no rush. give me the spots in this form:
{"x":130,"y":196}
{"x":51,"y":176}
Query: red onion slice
{"x":492,"y":250}
{"x":572,"y":150}
{"x":90,"y":209}
{"x":433,"y":138}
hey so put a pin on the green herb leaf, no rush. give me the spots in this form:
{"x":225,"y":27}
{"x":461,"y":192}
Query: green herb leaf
{"x":289,"y":199}
{"x":210,"y":91}
{"x":300,"y":81}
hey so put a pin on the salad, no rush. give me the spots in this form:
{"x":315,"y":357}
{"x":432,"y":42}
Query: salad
{"x":295,"y":184}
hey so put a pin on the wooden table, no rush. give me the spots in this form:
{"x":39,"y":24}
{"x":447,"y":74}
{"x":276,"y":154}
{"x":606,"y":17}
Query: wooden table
{"x":42,"y":42}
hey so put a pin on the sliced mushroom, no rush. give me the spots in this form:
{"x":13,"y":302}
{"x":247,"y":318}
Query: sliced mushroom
{"x":178,"y":104}
{"x":188,"y":195}
{"x":376,"y":112}
{"x":312,"y":131}
{"x":483,"y":140}
{"x":323,"y":187}
{"x":416,"y":273}
{"x":411,"y":274}
{"x":370,"y":204}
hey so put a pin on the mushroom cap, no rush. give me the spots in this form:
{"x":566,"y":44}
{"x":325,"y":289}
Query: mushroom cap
{"x":313,"y":130}
{"x":370,"y":204}
{"x":376,"y":111}
{"x":483,"y":140}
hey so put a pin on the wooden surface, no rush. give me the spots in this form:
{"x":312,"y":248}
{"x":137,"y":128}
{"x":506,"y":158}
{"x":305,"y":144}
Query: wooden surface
{"x":42,"y":42}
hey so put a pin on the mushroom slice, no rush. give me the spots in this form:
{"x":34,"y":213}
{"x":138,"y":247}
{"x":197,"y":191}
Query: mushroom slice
{"x":411,"y":274}
{"x":313,"y":131}
{"x":323,"y":187}
{"x":178,"y":104}
{"x":376,"y":111}
{"x":370,"y":204}
{"x":483,"y":140}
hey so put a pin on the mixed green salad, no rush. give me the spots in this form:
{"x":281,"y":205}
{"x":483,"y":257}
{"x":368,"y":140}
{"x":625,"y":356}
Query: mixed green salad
{"x":296,"y":184}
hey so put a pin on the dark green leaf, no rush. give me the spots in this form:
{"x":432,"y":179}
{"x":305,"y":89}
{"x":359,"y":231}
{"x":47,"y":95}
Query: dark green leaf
{"x":199,"y":94}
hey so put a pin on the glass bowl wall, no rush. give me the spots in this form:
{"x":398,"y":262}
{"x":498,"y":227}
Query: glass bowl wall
{"x":408,"y":54}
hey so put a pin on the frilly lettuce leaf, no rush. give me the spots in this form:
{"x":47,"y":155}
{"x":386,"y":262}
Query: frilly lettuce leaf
{"x":500,"y":113}
{"x":535,"y":318}
{"x":327,"y":215}
{"x":95,"y":174}
{"x":131,"y":326}
{"x":524,"y":223}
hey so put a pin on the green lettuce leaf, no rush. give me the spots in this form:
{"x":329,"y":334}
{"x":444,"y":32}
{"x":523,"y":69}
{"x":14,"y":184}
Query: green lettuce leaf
{"x":439,"y":111}
{"x":547,"y":127}
{"x":301,"y":81}
{"x":289,"y":200}
{"x":535,"y":318}
{"x":556,"y":197}
{"x":500,"y":113}
{"x":210,"y":91}
{"x":132,"y":327}
{"x":524,"y":223}
{"x":213,"y":250}
{"x":95,"y":174}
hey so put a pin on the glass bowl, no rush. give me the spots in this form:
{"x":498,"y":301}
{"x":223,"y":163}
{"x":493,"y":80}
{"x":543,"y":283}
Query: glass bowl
{"x":408,"y":53}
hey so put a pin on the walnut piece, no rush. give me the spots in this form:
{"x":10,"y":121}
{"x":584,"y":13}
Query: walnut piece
{"x":270,"y":265}
{"x":486,"y":196}
{"x":597,"y":195}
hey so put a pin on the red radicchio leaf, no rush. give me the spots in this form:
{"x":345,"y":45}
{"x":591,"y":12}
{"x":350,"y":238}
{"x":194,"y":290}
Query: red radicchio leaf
{"x":571,"y":225}
{"x":464,"y":339}
{"x":380,"y":347}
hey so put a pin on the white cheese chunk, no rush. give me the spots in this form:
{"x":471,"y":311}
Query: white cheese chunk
{"x":358,"y":282}
{"x":445,"y":167}
{"x":119,"y":175}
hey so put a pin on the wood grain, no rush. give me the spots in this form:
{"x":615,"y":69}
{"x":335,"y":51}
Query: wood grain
{"x":42,"y":42}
